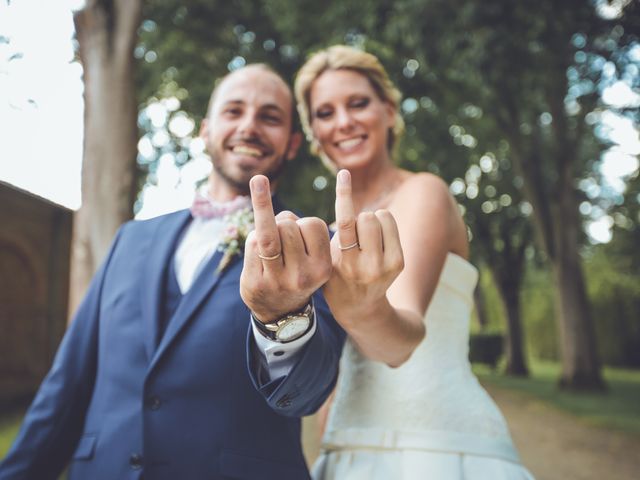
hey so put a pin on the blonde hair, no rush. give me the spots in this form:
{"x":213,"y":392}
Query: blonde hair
{"x":342,"y":57}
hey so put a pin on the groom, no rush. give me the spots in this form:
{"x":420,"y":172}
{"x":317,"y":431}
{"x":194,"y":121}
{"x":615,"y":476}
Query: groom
{"x":151,"y":379}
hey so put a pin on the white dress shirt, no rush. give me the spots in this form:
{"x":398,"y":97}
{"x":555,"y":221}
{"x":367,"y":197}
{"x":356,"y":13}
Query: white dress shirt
{"x":195,"y":248}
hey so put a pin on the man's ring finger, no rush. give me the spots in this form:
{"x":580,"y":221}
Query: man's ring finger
{"x":269,"y":258}
{"x":349,"y":247}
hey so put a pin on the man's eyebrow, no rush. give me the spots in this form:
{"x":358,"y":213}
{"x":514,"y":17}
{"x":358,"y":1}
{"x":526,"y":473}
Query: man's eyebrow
{"x":233,"y":102}
{"x":273,"y":106}
{"x":268,"y":106}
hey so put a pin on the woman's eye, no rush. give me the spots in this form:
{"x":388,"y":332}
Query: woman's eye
{"x":323,"y":113}
{"x":359,"y":102}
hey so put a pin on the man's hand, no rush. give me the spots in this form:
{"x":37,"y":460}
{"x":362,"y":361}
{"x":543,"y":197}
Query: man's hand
{"x":366,"y":255}
{"x":286,"y":258}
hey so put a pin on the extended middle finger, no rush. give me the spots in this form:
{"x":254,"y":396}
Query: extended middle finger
{"x":266,"y":230}
{"x":345,"y":214}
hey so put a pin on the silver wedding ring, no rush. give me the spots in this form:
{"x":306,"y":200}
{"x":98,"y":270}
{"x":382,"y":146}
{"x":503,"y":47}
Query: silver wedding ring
{"x":273,"y":257}
{"x":349,"y":247}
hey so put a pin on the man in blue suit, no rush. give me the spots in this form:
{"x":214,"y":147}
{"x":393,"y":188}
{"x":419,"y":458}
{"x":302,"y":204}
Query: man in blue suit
{"x":165,"y":373}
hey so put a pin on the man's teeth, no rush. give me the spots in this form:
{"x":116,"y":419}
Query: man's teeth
{"x":350,"y":143}
{"x":244,"y":150}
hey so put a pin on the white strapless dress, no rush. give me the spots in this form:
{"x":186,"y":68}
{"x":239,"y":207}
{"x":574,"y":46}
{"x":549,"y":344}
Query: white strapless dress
{"x":429,"y":418}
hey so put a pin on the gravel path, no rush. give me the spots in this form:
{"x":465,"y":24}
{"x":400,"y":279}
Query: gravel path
{"x":554,"y":445}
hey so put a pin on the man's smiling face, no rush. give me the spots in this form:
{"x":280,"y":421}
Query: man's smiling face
{"x":248,"y":129}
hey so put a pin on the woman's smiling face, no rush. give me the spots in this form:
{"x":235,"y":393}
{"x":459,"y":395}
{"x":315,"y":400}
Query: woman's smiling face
{"x":350,"y":121}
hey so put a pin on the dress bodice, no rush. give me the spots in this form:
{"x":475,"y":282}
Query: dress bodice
{"x":433,"y":400}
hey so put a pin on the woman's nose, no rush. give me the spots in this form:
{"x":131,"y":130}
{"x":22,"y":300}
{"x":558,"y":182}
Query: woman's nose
{"x":344,"y":118}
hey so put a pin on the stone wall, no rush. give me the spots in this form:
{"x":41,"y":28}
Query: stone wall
{"x":35,"y":238}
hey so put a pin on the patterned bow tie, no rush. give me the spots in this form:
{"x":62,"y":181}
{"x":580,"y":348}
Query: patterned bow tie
{"x":204,"y":207}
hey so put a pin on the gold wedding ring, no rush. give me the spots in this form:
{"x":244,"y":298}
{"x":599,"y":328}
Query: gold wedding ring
{"x":349,"y":247}
{"x":273,"y":257}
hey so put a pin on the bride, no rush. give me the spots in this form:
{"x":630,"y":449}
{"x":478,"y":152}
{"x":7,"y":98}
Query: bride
{"x":406,"y":404}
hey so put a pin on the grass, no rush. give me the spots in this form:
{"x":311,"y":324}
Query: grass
{"x":617,"y":408}
{"x":9,"y":426}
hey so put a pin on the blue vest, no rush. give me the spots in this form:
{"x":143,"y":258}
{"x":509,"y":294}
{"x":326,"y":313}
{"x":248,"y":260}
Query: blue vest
{"x":170,"y":299}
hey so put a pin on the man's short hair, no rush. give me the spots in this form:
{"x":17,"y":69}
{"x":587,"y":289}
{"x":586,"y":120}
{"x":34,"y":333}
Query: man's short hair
{"x":295,"y":122}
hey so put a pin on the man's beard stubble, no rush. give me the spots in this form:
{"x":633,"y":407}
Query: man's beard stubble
{"x":242,"y":185}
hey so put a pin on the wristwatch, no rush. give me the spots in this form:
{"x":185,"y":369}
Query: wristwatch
{"x":288,"y":328}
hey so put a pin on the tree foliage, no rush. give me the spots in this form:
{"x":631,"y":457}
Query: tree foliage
{"x":503,"y":99}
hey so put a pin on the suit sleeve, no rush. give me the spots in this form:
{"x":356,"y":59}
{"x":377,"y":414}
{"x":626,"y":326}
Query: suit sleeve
{"x":308,"y":384}
{"x":53,"y":424}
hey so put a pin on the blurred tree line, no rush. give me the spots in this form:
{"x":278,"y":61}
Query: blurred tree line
{"x":504,"y":100}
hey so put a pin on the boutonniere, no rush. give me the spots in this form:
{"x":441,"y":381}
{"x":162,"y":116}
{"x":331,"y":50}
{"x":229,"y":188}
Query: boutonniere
{"x":239,"y":224}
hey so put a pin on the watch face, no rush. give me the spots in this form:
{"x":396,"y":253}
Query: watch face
{"x":294,"y":327}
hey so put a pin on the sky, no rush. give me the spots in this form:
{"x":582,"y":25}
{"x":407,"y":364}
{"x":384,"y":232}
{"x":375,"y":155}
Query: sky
{"x":41,"y":112}
{"x":41,"y":104}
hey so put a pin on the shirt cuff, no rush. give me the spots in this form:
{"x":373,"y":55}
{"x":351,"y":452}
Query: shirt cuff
{"x":279,"y":358}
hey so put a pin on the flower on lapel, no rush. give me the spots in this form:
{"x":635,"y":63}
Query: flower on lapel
{"x":239,"y":224}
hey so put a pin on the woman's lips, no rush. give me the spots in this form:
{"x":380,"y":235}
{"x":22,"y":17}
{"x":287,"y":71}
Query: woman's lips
{"x":351,"y":143}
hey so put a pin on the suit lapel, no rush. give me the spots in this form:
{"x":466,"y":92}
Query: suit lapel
{"x":161,"y":252}
{"x":200,"y":289}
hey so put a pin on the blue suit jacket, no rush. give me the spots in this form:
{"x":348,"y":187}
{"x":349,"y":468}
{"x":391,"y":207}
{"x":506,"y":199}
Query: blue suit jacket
{"x":121,"y":403}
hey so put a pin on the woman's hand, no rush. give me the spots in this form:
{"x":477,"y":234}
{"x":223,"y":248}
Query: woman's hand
{"x":367,"y":257}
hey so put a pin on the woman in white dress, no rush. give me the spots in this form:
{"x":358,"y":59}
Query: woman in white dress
{"x":407,"y":405}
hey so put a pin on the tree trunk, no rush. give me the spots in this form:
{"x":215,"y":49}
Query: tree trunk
{"x":580,"y":360}
{"x":106,"y":33}
{"x":516,"y":364}
{"x":557,"y":221}
{"x":581,"y":369}
{"x":481,"y":306}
